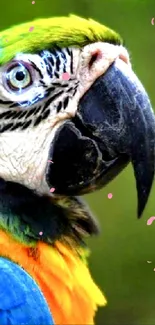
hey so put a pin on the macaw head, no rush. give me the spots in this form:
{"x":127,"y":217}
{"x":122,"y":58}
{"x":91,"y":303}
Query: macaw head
{"x":72,"y":112}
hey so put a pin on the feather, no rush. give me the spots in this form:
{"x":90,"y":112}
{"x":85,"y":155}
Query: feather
{"x":49,"y":32}
{"x":63,"y":277}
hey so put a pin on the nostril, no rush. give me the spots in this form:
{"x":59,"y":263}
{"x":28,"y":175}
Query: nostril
{"x":98,"y":54}
{"x":92,"y":60}
{"x":95,"y":56}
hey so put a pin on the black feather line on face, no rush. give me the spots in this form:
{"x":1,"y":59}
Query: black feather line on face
{"x":37,"y":69}
{"x":59,"y":107}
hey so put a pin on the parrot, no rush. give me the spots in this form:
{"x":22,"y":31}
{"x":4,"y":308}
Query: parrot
{"x":73,"y":116}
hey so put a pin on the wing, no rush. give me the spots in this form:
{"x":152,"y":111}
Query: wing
{"x":21,"y":301}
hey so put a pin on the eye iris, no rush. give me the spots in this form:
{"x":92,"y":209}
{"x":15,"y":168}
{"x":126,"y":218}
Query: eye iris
{"x":19,"y":77}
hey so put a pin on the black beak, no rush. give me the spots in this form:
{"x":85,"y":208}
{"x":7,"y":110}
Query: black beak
{"x":114,"y":125}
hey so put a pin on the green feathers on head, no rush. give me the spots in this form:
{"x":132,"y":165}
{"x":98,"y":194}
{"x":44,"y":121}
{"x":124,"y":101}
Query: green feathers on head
{"x":48,"y":32}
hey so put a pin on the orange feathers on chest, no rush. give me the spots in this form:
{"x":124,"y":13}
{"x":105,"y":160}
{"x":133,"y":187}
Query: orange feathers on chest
{"x":62,"y":276}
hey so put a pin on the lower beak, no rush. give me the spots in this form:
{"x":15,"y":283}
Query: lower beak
{"x":114,"y":125}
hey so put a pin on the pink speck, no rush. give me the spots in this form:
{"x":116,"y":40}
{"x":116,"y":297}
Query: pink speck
{"x":33,"y":2}
{"x":50,"y":161}
{"x":65,"y":76}
{"x":52,"y":189}
{"x":41,"y":233}
{"x":150,"y":220}
{"x":110,"y":196}
{"x":6,"y":40}
{"x":31,"y":29}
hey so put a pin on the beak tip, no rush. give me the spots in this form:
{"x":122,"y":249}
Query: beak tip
{"x":143,"y":197}
{"x":139,"y":213}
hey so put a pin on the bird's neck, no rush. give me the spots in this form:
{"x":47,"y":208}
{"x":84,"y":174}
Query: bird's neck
{"x":29,"y":217}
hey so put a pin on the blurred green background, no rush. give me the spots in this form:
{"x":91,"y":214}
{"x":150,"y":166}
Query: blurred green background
{"x":119,"y":256}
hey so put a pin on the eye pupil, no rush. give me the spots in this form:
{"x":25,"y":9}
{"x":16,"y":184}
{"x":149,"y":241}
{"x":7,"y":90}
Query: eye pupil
{"x":20,"y":75}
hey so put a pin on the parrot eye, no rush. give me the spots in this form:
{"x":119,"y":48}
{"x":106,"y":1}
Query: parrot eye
{"x":18,"y":76}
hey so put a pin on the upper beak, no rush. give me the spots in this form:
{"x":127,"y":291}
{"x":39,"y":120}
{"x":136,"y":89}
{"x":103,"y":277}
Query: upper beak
{"x":114,"y":124}
{"x":123,"y":120}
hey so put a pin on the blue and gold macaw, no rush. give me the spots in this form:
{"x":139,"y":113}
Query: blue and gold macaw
{"x":72,"y":116}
